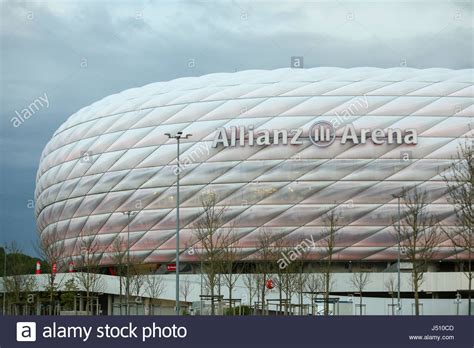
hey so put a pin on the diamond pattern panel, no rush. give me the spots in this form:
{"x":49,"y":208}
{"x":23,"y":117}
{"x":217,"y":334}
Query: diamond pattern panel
{"x":113,"y":156}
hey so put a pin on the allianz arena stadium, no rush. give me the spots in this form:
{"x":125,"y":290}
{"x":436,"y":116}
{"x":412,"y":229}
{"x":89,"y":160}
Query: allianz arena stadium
{"x":254,"y":145}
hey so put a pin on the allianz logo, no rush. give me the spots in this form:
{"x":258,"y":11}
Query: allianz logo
{"x":321,"y":133}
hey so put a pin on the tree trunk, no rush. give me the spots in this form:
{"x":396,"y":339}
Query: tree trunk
{"x":230,"y":300}
{"x":51,"y":292}
{"x":50,"y":298}
{"x":87,"y":302}
{"x":211,"y":284}
{"x":301,"y":303}
{"x":326,"y":294}
{"x":300,"y":288}
{"x":120,"y":277}
{"x":470,"y":284}
{"x":280,"y":294}
{"x":415,"y":288}
{"x":258,"y":299}
{"x":263,"y":292}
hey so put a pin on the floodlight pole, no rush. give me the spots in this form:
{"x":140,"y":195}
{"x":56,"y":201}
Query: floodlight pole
{"x":178,"y":137}
{"x":127,"y":286}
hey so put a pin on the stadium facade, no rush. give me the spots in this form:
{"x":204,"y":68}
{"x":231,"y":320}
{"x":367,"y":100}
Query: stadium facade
{"x":279,"y":149}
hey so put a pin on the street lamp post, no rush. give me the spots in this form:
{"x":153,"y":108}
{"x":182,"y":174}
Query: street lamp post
{"x":399,"y":305}
{"x":200,"y":302}
{"x":178,"y":136}
{"x":127,"y":284}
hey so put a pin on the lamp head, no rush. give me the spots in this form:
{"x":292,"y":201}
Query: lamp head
{"x":178,"y":135}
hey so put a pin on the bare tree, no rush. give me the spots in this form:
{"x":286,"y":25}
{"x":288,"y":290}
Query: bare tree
{"x":250,"y":283}
{"x":459,"y":179}
{"x":69,"y":295}
{"x":265,"y":265}
{"x":19,"y":287}
{"x":359,"y":281}
{"x":328,"y":243}
{"x":303,"y":250}
{"x":229,"y":270}
{"x":185,"y":288}
{"x":289,"y":284}
{"x":211,"y":239}
{"x":18,"y":283}
{"x":280,"y":250}
{"x":257,"y":281}
{"x":51,"y":249}
{"x":119,"y":258}
{"x":301,"y":279}
{"x":136,"y":279}
{"x":312,"y":287}
{"x":154,"y":287}
{"x":88,"y":276}
{"x":418,"y":236}
{"x":390,"y":287}
{"x":290,"y":273}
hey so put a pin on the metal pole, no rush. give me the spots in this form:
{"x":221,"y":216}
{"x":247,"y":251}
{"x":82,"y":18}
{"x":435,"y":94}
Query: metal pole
{"x":128,"y":265}
{"x":4,"y":277}
{"x":127,"y":275}
{"x":177,"y":136}
{"x":177,"y":231}
{"x":201,"y":286}
{"x":469,"y":301}
{"x":398,"y":259}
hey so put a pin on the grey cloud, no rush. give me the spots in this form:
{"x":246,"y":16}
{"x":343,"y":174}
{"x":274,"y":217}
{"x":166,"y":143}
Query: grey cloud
{"x":44,"y":55}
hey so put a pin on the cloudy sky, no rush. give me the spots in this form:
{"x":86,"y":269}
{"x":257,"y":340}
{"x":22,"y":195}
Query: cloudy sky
{"x":73,"y":53}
